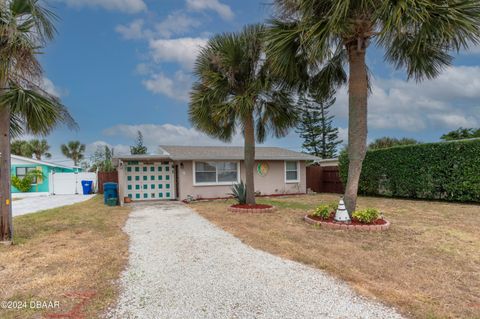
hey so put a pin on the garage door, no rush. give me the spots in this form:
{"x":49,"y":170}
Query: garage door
{"x":150,"y":181}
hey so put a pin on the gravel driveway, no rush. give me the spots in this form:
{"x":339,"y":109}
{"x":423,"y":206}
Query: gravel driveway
{"x":29,"y":205}
{"x":182,"y":266}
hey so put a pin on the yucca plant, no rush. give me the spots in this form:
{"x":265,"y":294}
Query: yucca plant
{"x":239,"y":191}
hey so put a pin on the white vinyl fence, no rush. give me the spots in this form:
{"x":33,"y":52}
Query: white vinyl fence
{"x":70,"y":183}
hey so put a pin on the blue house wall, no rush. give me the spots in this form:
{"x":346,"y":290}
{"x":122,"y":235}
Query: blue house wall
{"x":43,"y":186}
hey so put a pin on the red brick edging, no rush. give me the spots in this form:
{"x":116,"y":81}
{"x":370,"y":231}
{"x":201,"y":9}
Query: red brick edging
{"x":251,"y":210}
{"x":330,"y":225}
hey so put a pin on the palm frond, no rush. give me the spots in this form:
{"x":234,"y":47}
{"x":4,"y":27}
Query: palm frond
{"x":34,"y":111}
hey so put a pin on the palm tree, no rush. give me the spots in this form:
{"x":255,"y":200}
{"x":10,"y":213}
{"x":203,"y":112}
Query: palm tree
{"x":25,"y":26}
{"x":21,"y":148}
{"x":235,"y":90}
{"x":312,"y":41}
{"x":40,"y":148}
{"x":73,"y":150}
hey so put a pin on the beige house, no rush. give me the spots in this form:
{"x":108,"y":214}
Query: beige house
{"x":205,"y":172}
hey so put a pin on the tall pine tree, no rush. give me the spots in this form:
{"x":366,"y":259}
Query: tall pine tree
{"x":320,"y":137}
{"x":139,"y":148}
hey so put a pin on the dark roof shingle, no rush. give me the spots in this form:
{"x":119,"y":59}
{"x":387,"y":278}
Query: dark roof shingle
{"x":232,"y":153}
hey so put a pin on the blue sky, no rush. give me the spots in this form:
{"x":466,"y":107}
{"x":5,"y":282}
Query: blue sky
{"x":125,"y":65}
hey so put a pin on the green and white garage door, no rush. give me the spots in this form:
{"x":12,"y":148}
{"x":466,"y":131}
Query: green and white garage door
{"x":150,"y":181}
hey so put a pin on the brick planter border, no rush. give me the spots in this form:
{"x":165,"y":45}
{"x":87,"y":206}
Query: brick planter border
{"x":342,"y":226}
{"x":251,"y":210}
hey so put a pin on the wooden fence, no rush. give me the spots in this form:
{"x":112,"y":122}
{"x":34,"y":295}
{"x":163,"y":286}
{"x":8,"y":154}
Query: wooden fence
{"x":324,"y":179}
{"x":105,"y":177}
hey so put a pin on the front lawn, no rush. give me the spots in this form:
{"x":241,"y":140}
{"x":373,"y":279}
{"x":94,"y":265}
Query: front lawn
{"x":427,"y":265}
{"x":71,"y":255}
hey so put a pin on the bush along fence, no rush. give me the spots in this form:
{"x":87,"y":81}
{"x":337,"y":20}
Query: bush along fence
{"x":445,"y":171}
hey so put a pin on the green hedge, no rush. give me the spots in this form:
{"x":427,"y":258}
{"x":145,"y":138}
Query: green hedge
{"x":447,"y":171}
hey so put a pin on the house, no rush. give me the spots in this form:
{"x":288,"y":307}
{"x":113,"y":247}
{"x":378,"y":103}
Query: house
{"x":184,"y":172}
{"x":20,"y":166}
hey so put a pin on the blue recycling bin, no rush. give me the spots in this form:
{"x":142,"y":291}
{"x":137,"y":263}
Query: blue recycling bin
{"x":87,"y":187}
{"x":110,"y":190}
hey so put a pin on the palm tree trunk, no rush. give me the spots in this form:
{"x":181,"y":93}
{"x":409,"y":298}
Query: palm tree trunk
{"x":357,"y":123}
{"x":6,"y":228}
{"x":249,"y":159}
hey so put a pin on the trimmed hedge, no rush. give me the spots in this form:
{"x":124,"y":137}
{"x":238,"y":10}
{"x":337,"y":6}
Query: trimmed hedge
{"x":447,"y":171}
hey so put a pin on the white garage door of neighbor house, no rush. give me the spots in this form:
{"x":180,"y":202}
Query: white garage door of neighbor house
{"x":70,"y":183}
{"x":150,"y":181}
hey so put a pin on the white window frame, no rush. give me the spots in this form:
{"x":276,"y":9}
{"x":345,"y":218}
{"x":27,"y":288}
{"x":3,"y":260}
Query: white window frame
{"x":291,"y":181}
{"x":27,"y":168}
{"x":195,"y":183}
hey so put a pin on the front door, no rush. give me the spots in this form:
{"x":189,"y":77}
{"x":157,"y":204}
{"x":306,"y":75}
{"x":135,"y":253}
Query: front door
{"x":150,"y":180}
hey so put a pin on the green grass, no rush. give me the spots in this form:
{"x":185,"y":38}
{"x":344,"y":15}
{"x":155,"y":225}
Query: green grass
{"x":27,"y":227}
{"x":70,"y":249}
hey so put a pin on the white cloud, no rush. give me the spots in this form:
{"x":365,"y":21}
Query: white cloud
{"x":182,"y":50}
{"x":127,"y":6}
{"x":176,"y":23}
{"x":221,"y":9}
{"x":118,"y":149}
{"x":176,"y":88}
{"x":133,"y":30}
{"x":447,"y":102}
{"x":166,"y":134}
{"x":48,"y":86}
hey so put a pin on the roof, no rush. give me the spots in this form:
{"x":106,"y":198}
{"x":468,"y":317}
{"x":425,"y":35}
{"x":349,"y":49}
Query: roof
{"x":179,"y":153}
{"x":183,"y":153}
{"x":35,"y":161}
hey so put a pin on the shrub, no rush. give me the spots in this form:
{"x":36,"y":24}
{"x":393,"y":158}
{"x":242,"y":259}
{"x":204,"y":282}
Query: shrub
{"x":239,"y":191}
{"x":322,"y":211}
{"x":366,"y":216}
{"x":446,"y":171}
{"x":22,"y":184}
{"x":333,"y":206}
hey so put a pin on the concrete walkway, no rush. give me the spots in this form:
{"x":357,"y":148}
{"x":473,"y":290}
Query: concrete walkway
{"x":29,"y":205}
{"x":182,"y":266}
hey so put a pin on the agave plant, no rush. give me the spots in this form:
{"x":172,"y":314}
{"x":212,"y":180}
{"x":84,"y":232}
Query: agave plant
{"x":239,"y":191}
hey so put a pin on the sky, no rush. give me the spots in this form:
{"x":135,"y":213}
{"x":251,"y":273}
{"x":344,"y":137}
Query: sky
{"x":126,"y":65}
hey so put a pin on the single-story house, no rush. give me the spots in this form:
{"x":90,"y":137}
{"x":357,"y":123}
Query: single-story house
{"x":20,"y":166}
{"x":202,"y":172}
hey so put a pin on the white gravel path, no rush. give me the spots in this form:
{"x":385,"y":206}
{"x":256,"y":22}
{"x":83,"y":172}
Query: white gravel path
{"x":182,"y":266}
{"x":29,"y":205}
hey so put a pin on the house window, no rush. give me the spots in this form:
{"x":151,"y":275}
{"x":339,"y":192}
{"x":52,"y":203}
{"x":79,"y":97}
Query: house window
{"x":216,"y":173}
{"x":21,"y":172}
{"x":291,"y":172}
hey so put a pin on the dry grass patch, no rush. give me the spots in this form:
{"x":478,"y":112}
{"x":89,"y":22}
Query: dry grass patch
{"x":427,"y":265}
{"x":65,"y":254}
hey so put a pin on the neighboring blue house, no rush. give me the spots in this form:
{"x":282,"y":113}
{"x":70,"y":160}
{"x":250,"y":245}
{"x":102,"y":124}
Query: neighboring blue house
{"x":21,"y":165}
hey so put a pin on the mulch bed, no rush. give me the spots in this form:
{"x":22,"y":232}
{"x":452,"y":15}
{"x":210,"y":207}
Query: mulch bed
{"x":378,"y":225}
{"x":353,"y":222}
{"x":248,"y":208}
